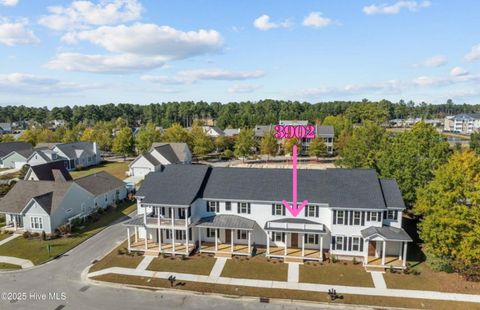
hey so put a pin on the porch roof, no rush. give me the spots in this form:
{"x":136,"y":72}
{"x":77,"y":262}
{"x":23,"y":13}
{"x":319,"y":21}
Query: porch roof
{"x":137,"y":220}
{"x":295,"y":225}
{"x":226,"y":221}
{"x":387,"y":233}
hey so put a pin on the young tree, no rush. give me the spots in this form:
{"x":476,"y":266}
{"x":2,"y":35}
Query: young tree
{"x":269,"y":145}
{"x":123,"y":142}
{"x":70,"y":135}
{"x":202,"y":144}
{"x":475,"y":142}
{"x":362,"y":148}
{"x":146,"y":136}
{"x":176,"y":133}
{"x":411,"y":157}
{"x":87,"y":135}
{"x":289,"y":143}
{"x":30,"y":136}
{"x":245,"y":143}
{"x":449,"y":207}
{"x":7,"y":138}
{"x":317,"y":148}
{"x":46,"y":135}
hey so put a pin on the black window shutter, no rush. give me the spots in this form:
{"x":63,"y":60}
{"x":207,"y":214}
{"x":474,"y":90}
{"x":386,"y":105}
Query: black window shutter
{"x":361,"y":244}
{"x":334,"y":217}
{"x":333,"y":242}
{"x":273,"y":209}
{"x":248,"y":208}
{"x":283,"y":211}
{"x":345,"y":220}
{"x":349,"y":243}
{"x":363,"y":218}
{"x":368,"y":216}
{"x":283,"y":237}
{"x":238,"y":207}
{"x":351,"y":217}
{"x":306,"y":211}
{"x":317,"y":211}
{"x":395,"y":215}
{"x":208,"y":208}
{"x":345,"y":243}
{"x":384,"y":214}
{"x":190,"y":234}
{"x":316,"y":239}
{"x":238,"y":234}
{"x":218,"y":206}
{"x":379,"y":216}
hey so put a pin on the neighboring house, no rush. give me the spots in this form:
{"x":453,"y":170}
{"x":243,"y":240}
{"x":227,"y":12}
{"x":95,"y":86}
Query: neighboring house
{"x":48,"y":172}
{"x":213,"y":131}
{"x":5,"y":128}
{"x":6,"y":148}
{"x":75,"y":154}
{"x":231,"y":132}
{"x":17,"y":159}
{"x":42,"y":155}
{"x":158,"y":155}
{"x":466,"y":123}
{"x":325,"y":132}
{"x":37,"y":206}
{"x":239,"y":211}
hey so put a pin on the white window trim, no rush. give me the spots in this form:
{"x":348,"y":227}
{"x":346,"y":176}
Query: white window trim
{"x":342,"y":217}
{"x":337,"y":243}
{"x":355,"y":213}
{"x":34,"y":224}
{"x":353,"y":243}
{"x":278,"y":209}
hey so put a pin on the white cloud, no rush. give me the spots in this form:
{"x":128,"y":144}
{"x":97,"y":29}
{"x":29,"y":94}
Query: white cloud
{"x":16,"y":33}
{"x":82,"y":14}
{"x":396,"y":7}
{"x":434,"y":61}
{"x":243,"y":88}
{"x":458,"y":71}
{"x":122,"y":63}
{"x":135,"y":48}
{"x":474,"y":53}
{"x":8,"y":2}
{"x":316,"y":20}
{"x":193,"y":76}
{"x":28,"y":83}
{"x":263,"y":23}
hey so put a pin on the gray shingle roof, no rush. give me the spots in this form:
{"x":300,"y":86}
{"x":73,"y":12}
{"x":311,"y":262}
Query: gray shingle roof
{"x":391,"y":193}
{"x":18,"y":197}
{"x":99,"y":183}
{"x":174,"y":151}
{"x":226,"y":221}
{"x":44,"y":172}
{"x":137,"y":220}
{"x":387,"y":232}
{"x":174,"y":185}
{"x":74,"y":149}
{"x":8,"y":147}
{"x":151,"y":159}
{"x":230,"y":132}
{"x":324,"y":131}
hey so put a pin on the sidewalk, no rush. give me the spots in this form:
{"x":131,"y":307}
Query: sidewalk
{"x":24,"y":263}
{"x":9,"y":239}
{"x":385,"y":292}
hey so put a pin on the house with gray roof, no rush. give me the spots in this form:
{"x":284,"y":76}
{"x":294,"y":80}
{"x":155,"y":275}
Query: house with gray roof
{"x":239,"y":211}
{"x":465,"y":123}
{"x":160,"y":154}
{"x":5,"y":128}
{"x":12,"y":152}
{"x":49,"y":198}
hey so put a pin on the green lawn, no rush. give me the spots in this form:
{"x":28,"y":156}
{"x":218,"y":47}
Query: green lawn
{"x":4,"y":235}
{"x":2,"y":220}
{"x":257,"y":267}
{"x":36,"y":249}
{"x":115,"y":168}
{"x":6,"y":266}
{"x":340,"y":273}
{"x":197,"y":264}
{"x":118,"y":258}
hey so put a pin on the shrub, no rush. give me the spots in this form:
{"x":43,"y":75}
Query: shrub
{"x":27,"y":235}
{"x":469,"y":271}
{"x":44,"y":235}
{"x":35,"y":235}
{"x":439,"y":263}
{"x":354,"y":261}
{"x":334,"y":259}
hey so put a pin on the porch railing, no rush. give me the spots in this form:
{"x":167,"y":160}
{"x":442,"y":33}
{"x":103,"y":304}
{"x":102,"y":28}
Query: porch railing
{"x":300,"y":226}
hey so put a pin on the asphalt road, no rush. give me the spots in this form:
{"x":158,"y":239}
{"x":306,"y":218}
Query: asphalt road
{"x":59,"y":285}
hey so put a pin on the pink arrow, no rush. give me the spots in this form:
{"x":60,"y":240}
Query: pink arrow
{"x":294,"y":209}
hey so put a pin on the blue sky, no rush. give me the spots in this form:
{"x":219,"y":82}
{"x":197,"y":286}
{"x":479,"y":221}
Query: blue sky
{"x":57,"y":53}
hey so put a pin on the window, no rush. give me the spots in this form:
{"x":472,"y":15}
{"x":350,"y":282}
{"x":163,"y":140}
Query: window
{"x":356,"y":218}
{"x":355,"y":244}
{"x":213,"y":206}
{"x":373,"y":216}
{"x":242,"y":234}
{"x":311,"y":211}
{"x":391,"y":214}
{"x":278,"y":209}
{"x":339,"y":243}
{"x":312,"y":239}
{"x":340,"y":217}
{"x":228,"y":206}
{"x":211,"y":233}
{"x":180,"y":234}
{"x":181,"y":213}
{"x":36,"y":222}
{"x":244,"y":208}
{"x":278,"y":236}
{"x":167,"y":233}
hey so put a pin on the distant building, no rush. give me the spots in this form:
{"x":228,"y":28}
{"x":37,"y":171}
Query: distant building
{"x":9,"y":151}
{"x":213,"y":131}
{"x":465,"y":123}
{"x":231,"y":132}
{"x":5,"y":128}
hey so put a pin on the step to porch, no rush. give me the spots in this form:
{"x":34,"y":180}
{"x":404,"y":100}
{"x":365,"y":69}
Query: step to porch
{"x":227,"y":255}
{"x":151,"y":253}
{"x":375,"y":269}
{"x":293,"y":260}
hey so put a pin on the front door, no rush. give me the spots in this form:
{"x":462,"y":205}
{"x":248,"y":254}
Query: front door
{"x":227,"y":236}
{"x":372,"y":245}
{"x":294,"y":240}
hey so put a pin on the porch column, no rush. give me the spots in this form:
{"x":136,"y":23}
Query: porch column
{"x":172,"y":212}
{"x":128,"y":238}
{"x":145,"y":216}
{"x":231,"y":240}
{"x":200,"y":239}
{"x":405,"y":246}
{"x":384,"y":247}
{"x":286,"y":243}
{"x":321,"y":247}
{"x":268,"y":243}
{"x":366,"y":244}
{"x":400,"y":251}
{"x":186,"y":241}
{"x":15,"y":222}
{"x":159,"y":231}
{"x":216,"y":239}
{"x":249,"y":242}
{"x":173,"y":241}
{"x":146,"y":236}
{"x":136,"y":235}
{"x":303,"y":244}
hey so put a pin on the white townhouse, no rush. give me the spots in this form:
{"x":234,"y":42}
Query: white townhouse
{"x":160,"y":154}
{"x":76,"y":154}
{"x":465,"y":123}
{"x":238,"y":211}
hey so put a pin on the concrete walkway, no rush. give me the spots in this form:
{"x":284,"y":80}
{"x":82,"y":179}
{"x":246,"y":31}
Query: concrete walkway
{"x":218,"y":267}
{"x":378,"y":279}
{"x":145,"y":262}
{"x":293,"y":286}
{"x":9,"y":238}
{"x":293,"y":272}
{"x":24,"y":263}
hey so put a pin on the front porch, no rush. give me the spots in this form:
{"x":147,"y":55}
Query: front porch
{"x":13,"y":223}
{"x":225,"y":249}
{"x":151,"y":247}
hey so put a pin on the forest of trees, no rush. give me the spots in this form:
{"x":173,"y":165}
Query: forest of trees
{"x":233,"y":114}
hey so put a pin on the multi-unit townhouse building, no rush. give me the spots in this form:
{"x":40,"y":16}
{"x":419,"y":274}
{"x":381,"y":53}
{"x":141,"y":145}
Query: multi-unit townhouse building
{"x":465,"y":123}
{"x":239,"y":211}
